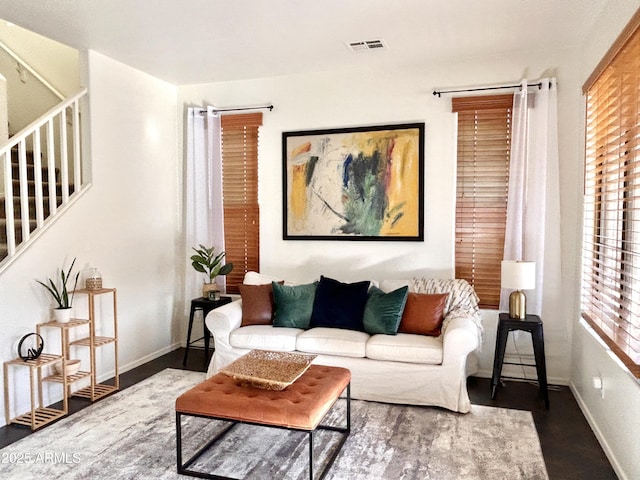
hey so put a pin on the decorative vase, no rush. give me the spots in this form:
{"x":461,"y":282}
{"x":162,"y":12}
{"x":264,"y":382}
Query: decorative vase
{"x":211,"y":291}
{"x":93,"y":280}
{"x":62,"y":315}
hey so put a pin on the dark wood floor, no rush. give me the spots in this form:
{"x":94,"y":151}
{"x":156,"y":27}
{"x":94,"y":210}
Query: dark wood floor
{"x":570,"y":448}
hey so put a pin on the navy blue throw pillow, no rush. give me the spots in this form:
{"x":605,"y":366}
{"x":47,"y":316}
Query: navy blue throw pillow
{"x":339,"y":305}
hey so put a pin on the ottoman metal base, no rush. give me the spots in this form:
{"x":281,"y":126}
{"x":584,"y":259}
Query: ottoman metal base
{"x":302,"y":406}
{"x":183,"y":468}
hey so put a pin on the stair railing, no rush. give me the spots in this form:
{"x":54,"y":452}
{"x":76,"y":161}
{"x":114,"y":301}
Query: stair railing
{"x":50,"y":139}
{"x":31,"y":70}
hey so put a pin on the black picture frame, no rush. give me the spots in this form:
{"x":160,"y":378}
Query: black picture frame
{"x":356,"y":184}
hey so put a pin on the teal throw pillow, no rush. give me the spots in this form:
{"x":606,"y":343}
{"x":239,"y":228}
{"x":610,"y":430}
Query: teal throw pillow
{"x":383,"y":311}
{"x":293,"y":304}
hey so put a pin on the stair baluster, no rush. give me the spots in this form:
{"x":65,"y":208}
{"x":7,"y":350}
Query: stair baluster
{"x":33,"y":163}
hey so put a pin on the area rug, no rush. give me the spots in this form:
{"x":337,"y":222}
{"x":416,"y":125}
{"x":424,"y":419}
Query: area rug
{"x":131,"y":435}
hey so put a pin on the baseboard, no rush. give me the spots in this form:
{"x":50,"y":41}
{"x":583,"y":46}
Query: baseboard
{"x":594,"y":427}
{"x":146,"y":358}
{"x":484,"y":373}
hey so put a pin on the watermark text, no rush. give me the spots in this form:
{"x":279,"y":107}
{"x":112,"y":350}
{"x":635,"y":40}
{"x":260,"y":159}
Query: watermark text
{"x":39,"y":457}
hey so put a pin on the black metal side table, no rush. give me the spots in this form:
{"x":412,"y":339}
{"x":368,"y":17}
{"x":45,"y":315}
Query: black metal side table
{"x":205,"y":306}
{"x":533,"y":325}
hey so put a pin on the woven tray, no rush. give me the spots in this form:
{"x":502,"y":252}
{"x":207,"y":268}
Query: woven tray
{"x":268,"y":370}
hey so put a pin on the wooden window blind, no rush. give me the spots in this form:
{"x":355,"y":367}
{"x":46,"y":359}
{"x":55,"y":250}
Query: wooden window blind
{"x":240,"y":195}
{"x":611,"y":260}
{"x":484,"y":143}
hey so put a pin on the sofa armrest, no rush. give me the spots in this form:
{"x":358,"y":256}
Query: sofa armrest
{"x":222,"y":321}
{"x":460,"y":338}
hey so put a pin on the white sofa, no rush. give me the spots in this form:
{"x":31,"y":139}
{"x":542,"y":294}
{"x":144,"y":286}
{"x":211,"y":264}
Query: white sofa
{"x":403,"y":368}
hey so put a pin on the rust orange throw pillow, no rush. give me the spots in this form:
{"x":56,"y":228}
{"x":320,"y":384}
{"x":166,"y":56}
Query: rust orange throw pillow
{"x":423,"y":314}
{"x":257,"y":304}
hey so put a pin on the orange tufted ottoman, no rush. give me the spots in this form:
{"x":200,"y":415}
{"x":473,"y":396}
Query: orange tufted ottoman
{"x":301,"y":406}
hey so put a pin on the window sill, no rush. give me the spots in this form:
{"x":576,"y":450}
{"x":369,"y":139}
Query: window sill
{"x":608,"y":350}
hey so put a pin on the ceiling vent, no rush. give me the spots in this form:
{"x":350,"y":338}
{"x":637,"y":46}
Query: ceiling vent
{"x":367,"y":45}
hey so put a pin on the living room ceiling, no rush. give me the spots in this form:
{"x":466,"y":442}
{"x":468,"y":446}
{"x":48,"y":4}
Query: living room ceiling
{"x":201,"y":41}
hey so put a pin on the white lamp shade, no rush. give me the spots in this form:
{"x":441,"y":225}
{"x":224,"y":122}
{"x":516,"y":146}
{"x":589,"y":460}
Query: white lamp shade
{"x":518,"y":275}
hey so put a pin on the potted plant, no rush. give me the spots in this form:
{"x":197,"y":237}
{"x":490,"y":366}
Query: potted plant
{"x":208,"y":262}
{"x":60,"y":294}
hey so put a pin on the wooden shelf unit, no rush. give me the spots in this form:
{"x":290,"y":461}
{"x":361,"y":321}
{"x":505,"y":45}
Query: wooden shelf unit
{"x":97,"y":390}
{"x":65,"y":328}
{"x":39,"y":416}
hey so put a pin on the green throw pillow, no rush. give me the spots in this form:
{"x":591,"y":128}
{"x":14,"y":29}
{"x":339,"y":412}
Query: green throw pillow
{"x":293,"y":304}
{"x":383,"y":311}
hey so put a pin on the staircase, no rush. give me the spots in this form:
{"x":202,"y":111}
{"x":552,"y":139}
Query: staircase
{"x":42,"y":174}
{"x":31,"y":188}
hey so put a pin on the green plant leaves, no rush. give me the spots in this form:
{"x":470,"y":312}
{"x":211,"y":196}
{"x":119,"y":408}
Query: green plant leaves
{"x":226,"y":269}
{"x":206,"y":261}
{"x":198,"y":266}
{"x":61,"y":296}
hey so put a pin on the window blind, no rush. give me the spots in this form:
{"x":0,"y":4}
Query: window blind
{"x":240,"y":195}
{"x":611,"y":260}
{"x":484,"y":142}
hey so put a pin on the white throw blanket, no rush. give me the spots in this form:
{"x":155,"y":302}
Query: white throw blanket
{"x":462,"y":299}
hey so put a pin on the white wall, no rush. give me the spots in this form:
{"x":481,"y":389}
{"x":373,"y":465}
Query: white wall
{"x":135,"y":190}
{"x":4,"y":114}
{"x":367,"y":96}
{"x":58,"y":64}
{"x":127,"y":224}
{"x":612,"y":413}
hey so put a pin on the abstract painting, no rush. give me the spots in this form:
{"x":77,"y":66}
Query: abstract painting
{"x":361,"y":183}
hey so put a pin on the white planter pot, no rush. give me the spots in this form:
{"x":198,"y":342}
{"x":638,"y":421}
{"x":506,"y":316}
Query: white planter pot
{"x":62,"y":315}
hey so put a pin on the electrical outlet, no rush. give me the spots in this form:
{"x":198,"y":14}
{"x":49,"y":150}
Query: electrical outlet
{"x":598,"y":384}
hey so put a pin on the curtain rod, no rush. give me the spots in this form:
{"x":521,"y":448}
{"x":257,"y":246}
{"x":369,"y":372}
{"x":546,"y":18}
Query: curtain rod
{"x":238,"y":109}
{"x":496,"y":87}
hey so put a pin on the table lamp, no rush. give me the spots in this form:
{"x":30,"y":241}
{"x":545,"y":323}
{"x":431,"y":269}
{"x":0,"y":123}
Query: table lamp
{"x":519,"y":276}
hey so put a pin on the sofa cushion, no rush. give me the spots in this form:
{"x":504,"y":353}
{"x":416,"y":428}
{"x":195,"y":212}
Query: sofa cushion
{"x":265,"y":337}
{"x":293,"y":305}
{"x":423,"y":314}
{"x":383,"y":311}
{"x":257,"y":304}
{"x":405,"y":347}
{"x":339,"y":305}
{"x":333,"y":341}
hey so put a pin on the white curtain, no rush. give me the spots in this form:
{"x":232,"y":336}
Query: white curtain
{"x":203,"y":192}
{"x":533,"y":208}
